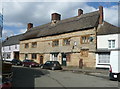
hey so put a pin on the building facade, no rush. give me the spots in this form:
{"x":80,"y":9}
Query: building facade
{"x":72,"y":41}
{"x":10,"y":48}
{"x":108,"y":43}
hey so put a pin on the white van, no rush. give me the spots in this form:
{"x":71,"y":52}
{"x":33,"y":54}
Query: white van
{"x":114,"y":71}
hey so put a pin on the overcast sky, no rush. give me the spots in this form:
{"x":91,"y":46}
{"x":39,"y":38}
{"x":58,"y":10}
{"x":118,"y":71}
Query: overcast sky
{"x":18,"y":14}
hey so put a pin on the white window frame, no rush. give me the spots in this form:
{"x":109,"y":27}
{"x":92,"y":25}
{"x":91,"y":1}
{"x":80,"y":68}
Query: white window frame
{"x":111,"y":44}
{"x":104,"y":58}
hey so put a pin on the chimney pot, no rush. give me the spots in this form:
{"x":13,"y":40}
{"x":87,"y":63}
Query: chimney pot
{"x":30,"y":25}
{"x":101,"y":14}
{"x":80,"y":11}
{"x":56,"y":16}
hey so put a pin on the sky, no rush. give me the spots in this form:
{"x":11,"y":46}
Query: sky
{"x":18,"y":13}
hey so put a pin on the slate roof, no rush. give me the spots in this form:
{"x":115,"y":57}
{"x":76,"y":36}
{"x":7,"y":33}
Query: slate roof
{"x":13,"y":40}
{"x":85,"y":21}
{"x":107,"y":28}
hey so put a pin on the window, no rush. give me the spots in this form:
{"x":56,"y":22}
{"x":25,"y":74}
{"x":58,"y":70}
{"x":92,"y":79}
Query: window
{"x":34,"y":56}
{"x":84,"y":53}
{"x":9,"y":48}
{"x":66,"y":41}
{"x":15,"y":46}
{"x":26,"y":56}
{"x":84,"y":39}
{"x":7,"y":55}
{"x":55,"y":43}
{"x":26,"y":45}
{"x":104,"y":58}
{"x":34,"y":44}
{"x":111,"y":43}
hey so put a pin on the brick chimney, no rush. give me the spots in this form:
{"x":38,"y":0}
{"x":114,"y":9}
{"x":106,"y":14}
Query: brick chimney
{"x":55,"y":17}
{"x":101,"y":15}
{"x":80,"y":11}
{"x":29,"y":25}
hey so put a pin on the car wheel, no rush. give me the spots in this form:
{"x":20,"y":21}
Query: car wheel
{"x":118,"y":77}
{"x":23,"y":65}
{"x":53,"y":68}
{"x":41,"y":67}
{"x":30,"y":66}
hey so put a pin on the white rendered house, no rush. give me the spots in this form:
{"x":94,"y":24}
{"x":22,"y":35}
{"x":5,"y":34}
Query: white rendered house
{"x":108,"y":42}
{"x":10,"y":47}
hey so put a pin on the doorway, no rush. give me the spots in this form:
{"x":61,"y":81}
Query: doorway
{"x":16,"y":55}
{"x":41,"y":59}
{"x":64,"y":59}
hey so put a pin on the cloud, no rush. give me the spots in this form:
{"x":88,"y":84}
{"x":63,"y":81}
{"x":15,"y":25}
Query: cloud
{"x":22,"y":31}
{"x":111,"y":15}
{"x":7,"y":33}
{"x":18,"y":14}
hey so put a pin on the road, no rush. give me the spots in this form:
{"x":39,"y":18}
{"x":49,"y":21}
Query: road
{"x":36,"y":77}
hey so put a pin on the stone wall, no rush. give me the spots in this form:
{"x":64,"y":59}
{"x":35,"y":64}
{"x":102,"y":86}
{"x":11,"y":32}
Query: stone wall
{"x":44,"y":46}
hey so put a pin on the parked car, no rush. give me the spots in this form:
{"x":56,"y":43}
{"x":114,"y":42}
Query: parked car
{"x":30,"y":63}
{"x":5,"y":84}
{"x":16,"y":62}
{"x":53,"y":65}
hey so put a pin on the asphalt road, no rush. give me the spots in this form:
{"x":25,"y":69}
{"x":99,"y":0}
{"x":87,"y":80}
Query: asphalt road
{"x":36,"y":77}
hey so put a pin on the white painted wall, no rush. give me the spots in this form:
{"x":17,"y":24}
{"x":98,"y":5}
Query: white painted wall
{"x":99,"y":65}
{"x":102,"y":41}
{"x":12,"y":49}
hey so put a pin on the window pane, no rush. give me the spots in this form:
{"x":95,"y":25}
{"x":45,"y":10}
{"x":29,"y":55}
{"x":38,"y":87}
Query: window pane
{"x":113,"y":43}
{"x":34,"y":44}
{"x":66,"y":41}
{"x":55,"y":43}
{"x":109,"y":43}
{"x":104,"y":58}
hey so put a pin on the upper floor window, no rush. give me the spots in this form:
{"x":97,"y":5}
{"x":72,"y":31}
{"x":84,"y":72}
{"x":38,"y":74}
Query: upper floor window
{"x":55,"y":43}
{"x":66,"y":41}
{"x":111,"y":43}
{"x":26,"y":45}
{"x":15,"y":46}
{"x":34,"y":56}
{"x":85,"y":39}
{"x":34,"y":44}
{"x":3,"y":49}
{"x":9,"y":48}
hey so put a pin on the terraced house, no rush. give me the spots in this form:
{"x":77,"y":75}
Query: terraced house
{"x":72,"y":41}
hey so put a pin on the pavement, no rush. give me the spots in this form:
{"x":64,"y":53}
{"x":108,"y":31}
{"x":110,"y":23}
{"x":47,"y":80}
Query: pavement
{"x":104,"y":73}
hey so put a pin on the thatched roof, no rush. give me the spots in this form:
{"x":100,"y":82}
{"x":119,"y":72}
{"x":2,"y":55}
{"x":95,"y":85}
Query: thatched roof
{"x":13,"y":40}
{"x":85,"y":21}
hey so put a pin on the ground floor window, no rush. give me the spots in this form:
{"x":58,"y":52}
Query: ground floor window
{"x":54,"y":56}
{"x":7,"y":55}
{"x":34,"y":56}
{"x":104,"y":58}
{"x":26,"y":56}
